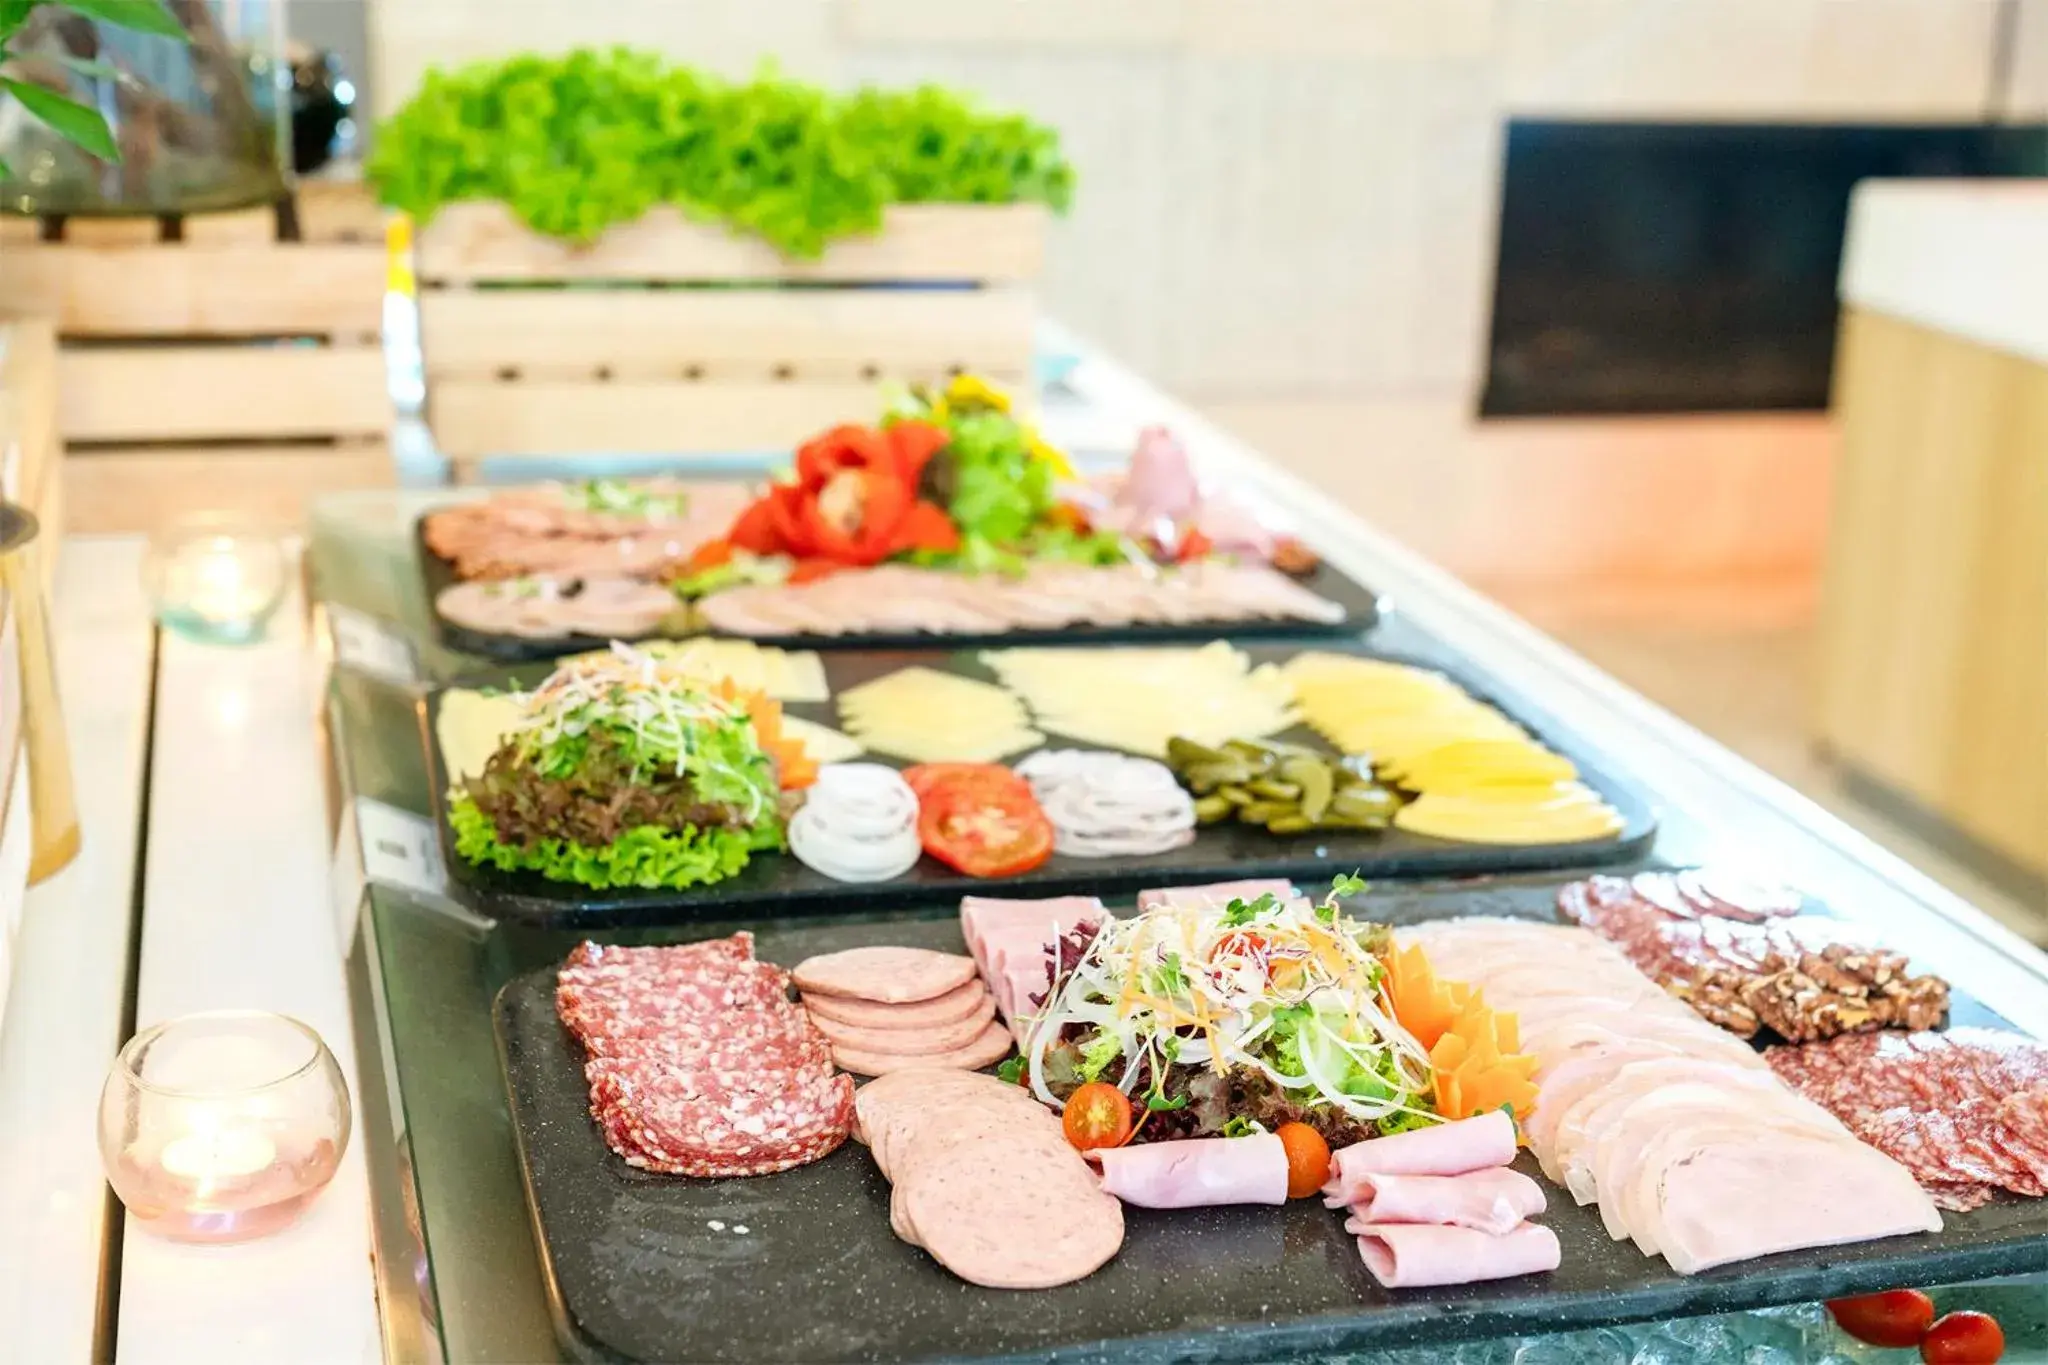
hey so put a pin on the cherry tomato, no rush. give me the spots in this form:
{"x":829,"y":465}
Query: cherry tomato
{"x":1308,"y":1159}
{"x":1097,"y":1115}
{"x":1897,"y":1317}
{"x":1963,"y":1339}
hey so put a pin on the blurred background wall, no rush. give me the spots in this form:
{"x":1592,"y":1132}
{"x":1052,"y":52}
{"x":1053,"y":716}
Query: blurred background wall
{"x":1291,"y":198}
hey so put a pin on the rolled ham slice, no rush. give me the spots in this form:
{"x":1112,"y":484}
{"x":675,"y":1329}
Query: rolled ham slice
{"x":1491,"y":1201}
{"x":1214,"y":893}
{"x":1414,"y":1255}
{"x":1197,"y":1172}
{"x":1471,"y":1144}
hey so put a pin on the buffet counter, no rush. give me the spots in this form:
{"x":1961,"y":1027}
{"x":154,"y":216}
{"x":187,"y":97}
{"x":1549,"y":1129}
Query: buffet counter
{"x":209,"y":855}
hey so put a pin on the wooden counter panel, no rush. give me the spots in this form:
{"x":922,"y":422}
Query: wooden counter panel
{"x":1934,"y":650}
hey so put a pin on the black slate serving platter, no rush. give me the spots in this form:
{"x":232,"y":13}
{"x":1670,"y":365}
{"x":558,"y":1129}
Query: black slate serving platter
{"x":802,"y":1266}
{"x":1361,"y":612}
{"x":783,"y":885}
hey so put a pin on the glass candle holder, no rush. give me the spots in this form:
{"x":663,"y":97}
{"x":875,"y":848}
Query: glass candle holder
{"x":214,"y":579}
{"x":222,"y":1126}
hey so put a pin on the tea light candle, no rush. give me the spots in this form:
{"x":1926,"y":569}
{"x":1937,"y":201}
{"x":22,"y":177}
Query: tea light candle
{"x":225,"y":1126}
{"x":214,"y":581}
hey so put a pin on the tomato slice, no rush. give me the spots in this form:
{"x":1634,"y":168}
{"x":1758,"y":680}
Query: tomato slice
{"x":924,"y":777}
{"x":1897,"y":1317}
{"x":1097,"y":1115}
{"x":982,"y":830}
{"x":1963,"y":1339}
{"x":1308,"y":1159}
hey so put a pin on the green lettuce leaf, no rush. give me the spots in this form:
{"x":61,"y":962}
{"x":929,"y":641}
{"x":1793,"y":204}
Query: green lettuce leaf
{"x":647,"y":857}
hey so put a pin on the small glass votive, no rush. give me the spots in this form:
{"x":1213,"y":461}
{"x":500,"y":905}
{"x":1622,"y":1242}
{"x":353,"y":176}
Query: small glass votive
{"x":215,"y":578}
{"x":222,"y":1126}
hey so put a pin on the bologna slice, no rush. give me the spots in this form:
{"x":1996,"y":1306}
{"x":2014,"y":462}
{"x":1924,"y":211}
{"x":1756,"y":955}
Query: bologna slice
{"x":913,"y":1042}
{"x":989,"y":1046}
{"x":1011,"y":1211}
{"x":960,"y":1003}
{"x":884,"y":975}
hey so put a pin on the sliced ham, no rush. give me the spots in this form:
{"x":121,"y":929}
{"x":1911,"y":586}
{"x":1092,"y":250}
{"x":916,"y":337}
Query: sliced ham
{"x":1736,"y":1198}
{"x":1447,"y":1149}
{"x":1011,"y":941}
{"x":1491,"y":1201}
{"x":1413,"y":1255}
{"x":1197,"y":1172}
{"x":1214,"y":893}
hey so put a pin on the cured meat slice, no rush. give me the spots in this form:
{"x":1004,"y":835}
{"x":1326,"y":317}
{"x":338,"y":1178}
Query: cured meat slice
{"x":1413,"y":1255}
{"x":1447,"y":1149}
{"x":1492,"y":1201}
{"x":1215,"y":893}
{"x":884,"y":975}
{"x":1736,"y":1198}
{"x":955,"y":1005}
{"x":917,"y":1040}
{"x":988,"y":1047}
{"x":1196,"y":1172}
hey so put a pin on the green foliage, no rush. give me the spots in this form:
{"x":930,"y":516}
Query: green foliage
{"x":646,"y":857}
{"x":580,"y":143}
{"x":77,"y":123}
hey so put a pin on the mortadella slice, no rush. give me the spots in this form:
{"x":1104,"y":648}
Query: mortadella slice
{"x":1447,"y":1149}
{"x":1196,"y":1172}
{"x":1214,"y":893}
{"x":1414,"y":1255}
{"x":1491,"y":1201}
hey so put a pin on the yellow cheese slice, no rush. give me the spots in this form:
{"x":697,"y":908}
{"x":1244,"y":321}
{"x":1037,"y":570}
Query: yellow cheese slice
{"x":470,"y":728}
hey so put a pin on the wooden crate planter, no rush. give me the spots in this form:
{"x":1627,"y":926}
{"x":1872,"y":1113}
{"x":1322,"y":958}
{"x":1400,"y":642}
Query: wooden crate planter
{"x":206,"y":363}
{"x":667,"y":336}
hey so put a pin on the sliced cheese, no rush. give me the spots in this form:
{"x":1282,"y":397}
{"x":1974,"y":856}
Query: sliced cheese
{"x":823,"y":743}
{"x":1136,"y":699}
{"x":470,"y":727}
{"x":927,"y":716}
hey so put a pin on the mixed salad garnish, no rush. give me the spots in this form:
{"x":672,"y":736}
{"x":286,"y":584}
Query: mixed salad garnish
{"x":622,"y":770}
{"x":1223,"y":1020}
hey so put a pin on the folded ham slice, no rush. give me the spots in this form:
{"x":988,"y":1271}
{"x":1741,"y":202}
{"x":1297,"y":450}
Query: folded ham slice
{"x":1412,"y":1255}
{"x":1197,"y":1172}
{"x":1009,"y":938}
{"x":1214,"y":893}
{"x":1447,"y":1149}
{"x":1491,"y":1201}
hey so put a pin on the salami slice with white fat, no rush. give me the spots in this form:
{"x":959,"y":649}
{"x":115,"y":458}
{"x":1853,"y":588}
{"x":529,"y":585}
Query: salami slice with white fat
{"x":885,"y":975}
{"x":989,"y":1046}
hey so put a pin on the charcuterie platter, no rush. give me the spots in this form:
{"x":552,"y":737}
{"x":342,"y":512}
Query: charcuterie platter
{"x":901,"y":702}
{"x":951,"y":519}
{"x":646,"y":1266}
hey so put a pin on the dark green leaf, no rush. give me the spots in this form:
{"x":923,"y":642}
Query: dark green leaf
{"x":13,"y":14}
{"x":143,"y":16}
{"x":1011,"y":1071}
{"x":69,"y":120}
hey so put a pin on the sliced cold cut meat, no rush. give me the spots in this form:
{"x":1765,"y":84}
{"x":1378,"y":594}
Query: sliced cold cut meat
{"x":1196,"y":1173}
{"x":1409,"y":1255}
{"x":1007,"y":1211}
{"x":885,"y":975}
{"x":924,"y":1040}
{"x":1214,"y":893}
{"x":989,"y":1046}
{"x":955,"y":1005}
{"x":1448,"y":1149}
{"x":1491,"y":1201}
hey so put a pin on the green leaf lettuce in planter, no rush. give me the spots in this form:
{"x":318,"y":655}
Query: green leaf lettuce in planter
{"x":576,"y":144}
